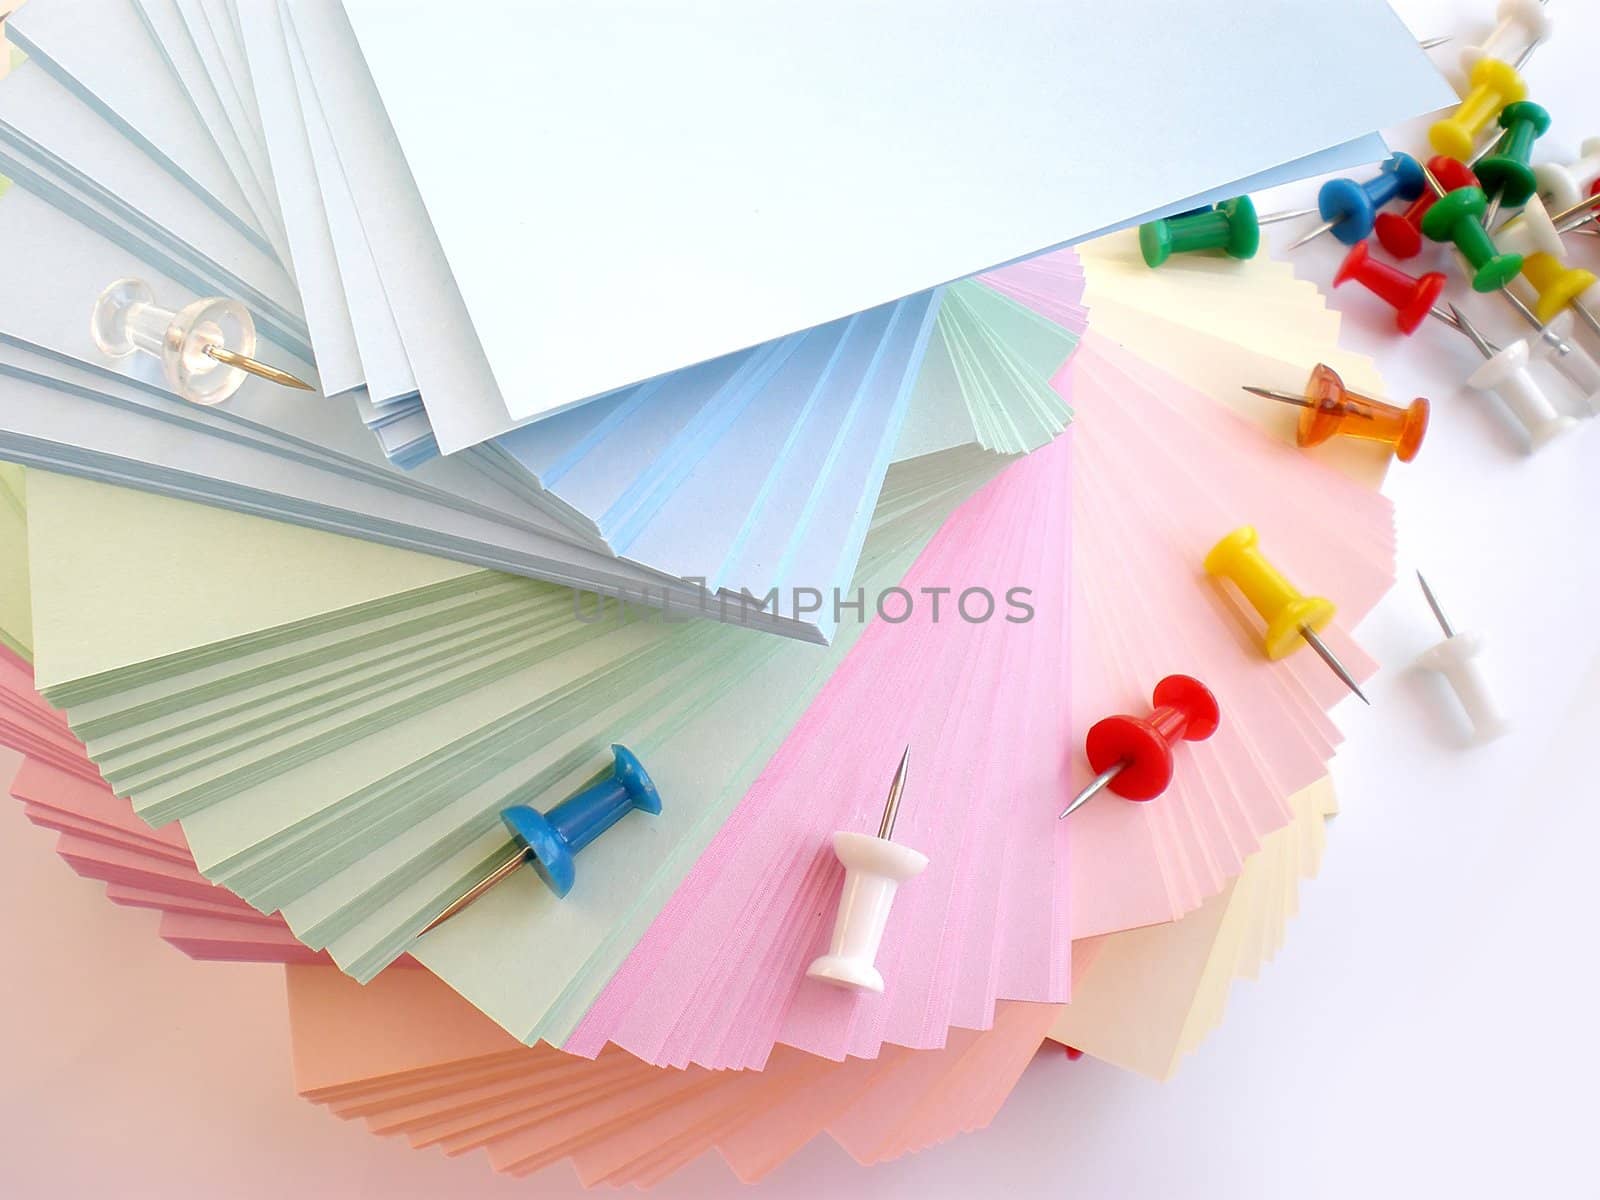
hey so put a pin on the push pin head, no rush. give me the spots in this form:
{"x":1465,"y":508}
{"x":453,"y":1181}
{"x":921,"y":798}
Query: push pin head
{"x":1411,"y":297}
{"x":1524,"y":22}
{"x":1231,"y":227}
{"x":1559,"y":287}
{"x":549,"y":841}
{"x":1563,"y":185}
{"x":1329,"y":409}
{"x":1505,"y":373}
{"x":1287,"y":613}
{"x":1493,"y":85}
{"x":874,"y":869}
{"x":1353,"y":207}
{"x":1457,"y":217}
{"x":1458,"y":659}
{"x":1133,"y":755}
{"x":1506,"y":173}
{"x":1238,"y":557}
{"x":1349,"y":209}
{"x":1401,"y":233}
{"x":205,"y":348}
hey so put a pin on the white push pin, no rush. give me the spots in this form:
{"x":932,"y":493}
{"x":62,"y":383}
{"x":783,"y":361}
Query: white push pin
{"x":1505,"y":373}
{"x":874,"y":869}
{"x":1457,"y":658}
{"x":205,"y":347}
{"x":1523,"y":24}
{"x":1563,"y":185}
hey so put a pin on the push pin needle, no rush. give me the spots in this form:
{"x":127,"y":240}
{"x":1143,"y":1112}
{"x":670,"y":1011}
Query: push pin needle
{"x":1300,"y":401}
{"x":1334,"y":665}
{"x":891,"y":806}
{"x":261,"y":370}
{"x":511,"y":863}
{"x":1097,"y":785}
{"x":1433,"y":603}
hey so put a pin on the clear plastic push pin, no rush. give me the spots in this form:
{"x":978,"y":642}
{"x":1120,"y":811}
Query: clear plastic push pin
{"x":205,"y":348}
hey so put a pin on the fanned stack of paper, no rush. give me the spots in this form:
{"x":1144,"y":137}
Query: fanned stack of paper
{"x":578,"y":322}
{"x":1168,"y":862}
{"x":659,"y":367}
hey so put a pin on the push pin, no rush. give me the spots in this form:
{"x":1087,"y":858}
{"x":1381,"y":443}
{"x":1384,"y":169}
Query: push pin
{"x":204,"y":347}
{"x":1401,"y":233}
{"x":1558,"y":288}
{"x":1349,"y":208}
{"x":1457,"y":659}
{"x":1493,"y":85}
{"x":1534,"y":232}
{"x":1506,"y":174}
{"x":1521,"y":23}
{"x":1505,"y":373}
{"x":1458,"y":218}
{"x":1133,"y":755}
{"x":1328,"y":409}
{"x":1288,"y":614}
{"x":1231,"y":227}
{"x":1563,"y":185}
{"x":550,"y":841}
{"x":874,"y":869}
{"x":1412,"y":297}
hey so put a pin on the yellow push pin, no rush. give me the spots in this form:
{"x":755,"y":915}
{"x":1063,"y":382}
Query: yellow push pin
{"x":1494,"y":85}
{"x":1290,"y":616}
{"x":1559,"y":286}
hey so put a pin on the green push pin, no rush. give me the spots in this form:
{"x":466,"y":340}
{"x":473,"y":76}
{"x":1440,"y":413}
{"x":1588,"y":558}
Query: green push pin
{"x":1458,"y":218}
{"x":1506,"y":174}
{"x":1231,"y":227}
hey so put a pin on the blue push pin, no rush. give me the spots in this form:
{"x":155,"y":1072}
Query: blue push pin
{"x":1350,"y":209}
{"x":550,"y":840}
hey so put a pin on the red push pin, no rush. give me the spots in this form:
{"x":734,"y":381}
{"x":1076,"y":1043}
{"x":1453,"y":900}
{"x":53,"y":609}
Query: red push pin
{"x":1073,"y":1053}
{"x":1133,"y":755}
{"x":1411,"y":298}
{"x":1401,"y":233}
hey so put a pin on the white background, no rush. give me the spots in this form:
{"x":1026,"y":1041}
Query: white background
{"x":1428,"y":1030}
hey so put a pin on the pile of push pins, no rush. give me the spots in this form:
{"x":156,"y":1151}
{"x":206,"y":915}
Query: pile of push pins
{"x":1509,"y":223}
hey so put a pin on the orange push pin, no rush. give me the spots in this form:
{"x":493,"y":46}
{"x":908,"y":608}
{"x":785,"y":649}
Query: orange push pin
{"x":1494,"y":85}
{"x":1288,"y":614}
{"x":1329,"y":409}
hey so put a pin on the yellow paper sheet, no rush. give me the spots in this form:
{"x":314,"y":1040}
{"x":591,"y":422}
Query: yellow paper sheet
{"x":1152,"y":995}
